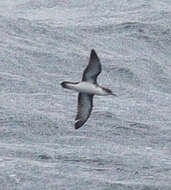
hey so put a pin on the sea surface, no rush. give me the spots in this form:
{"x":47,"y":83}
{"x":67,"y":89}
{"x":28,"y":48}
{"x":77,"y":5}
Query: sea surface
{"x":126,"y":143}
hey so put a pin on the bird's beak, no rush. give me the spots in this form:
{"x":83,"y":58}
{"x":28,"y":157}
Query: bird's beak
{"x":113,"y":94}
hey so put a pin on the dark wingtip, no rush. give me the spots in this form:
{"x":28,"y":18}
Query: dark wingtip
{"x":76,"y":127}
{"x":78,"y":124}
{"x":93,"y":54}
{"x":93,"y":51}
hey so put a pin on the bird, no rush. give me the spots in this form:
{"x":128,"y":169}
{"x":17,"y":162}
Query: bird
{"x":87,"y":88}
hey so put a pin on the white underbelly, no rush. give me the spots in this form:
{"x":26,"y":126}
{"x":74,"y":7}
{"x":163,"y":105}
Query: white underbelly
{"x":86,"y":87}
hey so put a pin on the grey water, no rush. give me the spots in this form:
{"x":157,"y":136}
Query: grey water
{"x":126,"y":143}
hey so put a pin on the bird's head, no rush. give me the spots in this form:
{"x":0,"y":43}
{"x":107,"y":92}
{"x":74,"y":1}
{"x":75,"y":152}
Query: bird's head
{"x":109,"y":92}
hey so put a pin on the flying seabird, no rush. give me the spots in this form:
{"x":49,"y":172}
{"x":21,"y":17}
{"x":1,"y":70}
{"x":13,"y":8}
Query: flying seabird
{"x":87,"y":88}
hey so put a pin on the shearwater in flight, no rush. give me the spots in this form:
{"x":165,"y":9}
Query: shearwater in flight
{"x":87,"y":88}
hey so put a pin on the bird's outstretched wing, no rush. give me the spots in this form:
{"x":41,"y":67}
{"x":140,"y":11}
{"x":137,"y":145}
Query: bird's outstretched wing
{"x":93,"y":68}
{"x":85,"y":105}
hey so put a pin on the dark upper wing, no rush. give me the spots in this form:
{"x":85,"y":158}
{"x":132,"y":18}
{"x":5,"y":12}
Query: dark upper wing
{"x":85,"y":105}
{"x":93,"y":68}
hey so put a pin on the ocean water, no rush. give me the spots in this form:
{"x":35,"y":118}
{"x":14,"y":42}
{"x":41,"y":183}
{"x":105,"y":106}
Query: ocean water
{"x":126,"y":143}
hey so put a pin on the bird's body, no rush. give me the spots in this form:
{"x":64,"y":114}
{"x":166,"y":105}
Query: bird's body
{"x":87,"y":88}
